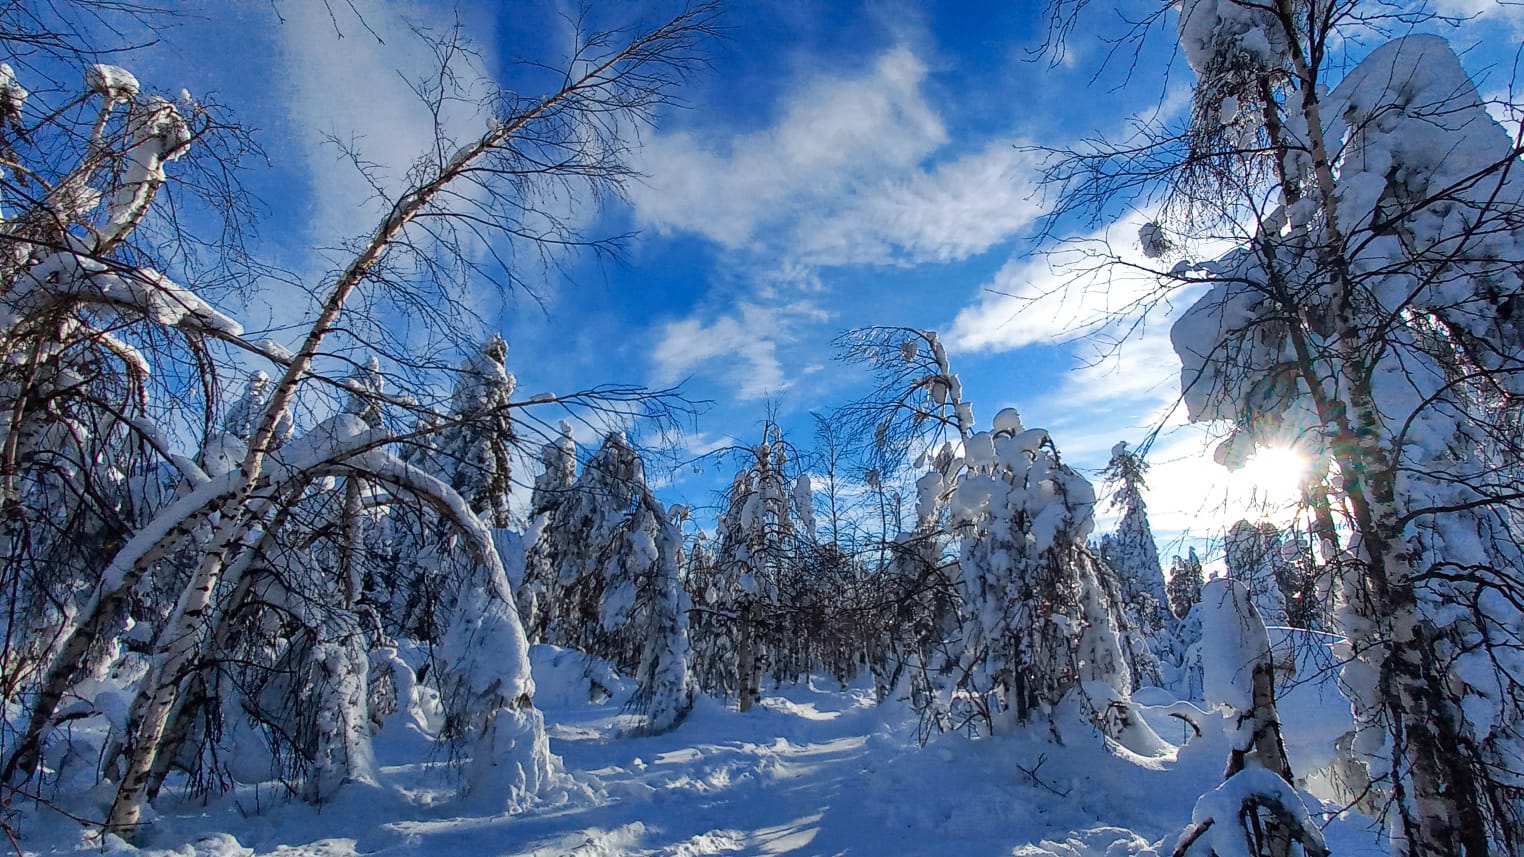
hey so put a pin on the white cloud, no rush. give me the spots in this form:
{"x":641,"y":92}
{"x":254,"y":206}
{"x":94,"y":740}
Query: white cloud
{"x":832,"y":134}
{"x":1061,"y":296}
{"x":845,"y":176}
{"x":1481,"y":11}
{"x":736,"y":337}
{"x":355,"y":87}
{"x":736,"y":347}
{"x":950,"y":212}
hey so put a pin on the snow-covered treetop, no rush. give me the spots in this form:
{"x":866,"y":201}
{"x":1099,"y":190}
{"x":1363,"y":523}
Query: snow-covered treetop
{"x":112,"y":82}
{"x":558,"y":470}
{"x":1127,"y":470}
{"x":1014,"y":474}
{"x":365,"y":386}
{"x":1217,"y":32}
{"x":243,"y":417}
{"x":1417,"y":182}
{"x":1235,"y":643}
{"x":12,"y":95}
{"x":1235,"y":48}
{"x":484,"y":384}
{"x":615,"y":473}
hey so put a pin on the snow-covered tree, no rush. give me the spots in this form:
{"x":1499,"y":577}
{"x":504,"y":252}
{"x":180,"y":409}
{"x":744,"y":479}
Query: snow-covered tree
{"x":1253,"y":556}
{"x":541,"y":585}
{"x":712,"y":640}
{"x":1037,"y":619}
{"x":1367,"y":315}
{"x":476,"y":447}
{"x":1131,"y":554}
{"x":569,"y":550}
{"x":243,"y":415}
{"x":1256,"y":810}
{"x":1036,"y":614}
{"x":602,"y":574}
{"x":1185,"y":580}
{"x":646,"y":609}
{"x":759,"y":552}
{"x":1131,"y":549}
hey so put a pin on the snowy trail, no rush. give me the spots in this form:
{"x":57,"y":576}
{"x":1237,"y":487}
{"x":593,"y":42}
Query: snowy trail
{"x":814,"y":770}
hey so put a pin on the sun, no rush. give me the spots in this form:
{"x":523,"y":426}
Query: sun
{"x":1270,"y":479}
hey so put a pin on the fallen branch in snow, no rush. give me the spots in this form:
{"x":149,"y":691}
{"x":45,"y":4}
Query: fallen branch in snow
{"x":1031,"y":774}
{"x":1188,"y":721}
{"x":1189,"y":837}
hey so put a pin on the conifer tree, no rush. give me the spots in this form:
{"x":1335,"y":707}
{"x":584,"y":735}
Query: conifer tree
{"x":602,"y":575}
{"x":476,"y":448}
{"x":1021,"y":518}
{"x":759,"y":548}
{"x":1253,"y":556}
{"x":1132,"y":555}
{"x":541,"y":585}
{"x":1185,"y":580}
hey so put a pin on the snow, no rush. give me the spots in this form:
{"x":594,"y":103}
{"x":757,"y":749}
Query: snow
{"x":1234,"y":642}
{"x":146,"y":291}
{"x":12,"y":94}
{"x":1225,"y":802}
{"x":113,"y":82}
{"x":813,"y":769}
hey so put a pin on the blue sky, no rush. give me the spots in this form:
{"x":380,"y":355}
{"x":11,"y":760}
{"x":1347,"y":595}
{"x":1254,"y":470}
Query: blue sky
{"x":838,"y":165}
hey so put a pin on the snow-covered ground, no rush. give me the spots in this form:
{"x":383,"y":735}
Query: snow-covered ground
{"x":815,"y":770}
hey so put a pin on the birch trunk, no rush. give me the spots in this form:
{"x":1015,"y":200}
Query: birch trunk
{"x":1414,"y":701}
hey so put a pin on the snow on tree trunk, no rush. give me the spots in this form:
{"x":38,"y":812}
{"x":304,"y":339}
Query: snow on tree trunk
{"x":1400,"y":265}
{"x":341,"y":751}
{"x":1255,"y":811}
{"x":1238,"y":671}
{"x":485,"y":686}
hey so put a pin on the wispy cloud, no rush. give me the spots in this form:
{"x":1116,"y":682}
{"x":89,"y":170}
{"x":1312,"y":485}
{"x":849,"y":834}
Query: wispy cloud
{"x":734,"y":346}
{"x":853,"y":171}
{"x":948,"y":212}
{"x":739,"y":346}
{"x":1088,"y":284}
{"x":349,"y":69}
{"x":832,"y":135}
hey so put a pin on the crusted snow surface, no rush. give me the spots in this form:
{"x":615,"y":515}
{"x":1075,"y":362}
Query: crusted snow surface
{"x":813,"y":770}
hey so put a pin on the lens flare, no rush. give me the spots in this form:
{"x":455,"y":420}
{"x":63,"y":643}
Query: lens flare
{"x":1271,"y":477}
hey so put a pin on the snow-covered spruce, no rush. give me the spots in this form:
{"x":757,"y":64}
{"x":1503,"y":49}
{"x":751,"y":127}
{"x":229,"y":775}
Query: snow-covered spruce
{"x":1130,"y":553}
{"x":540,"y":589}
{"x":1036,"y":618}
{"x":602,"y":575}
{"x":475,"y":448}
{"x":757,"y":559}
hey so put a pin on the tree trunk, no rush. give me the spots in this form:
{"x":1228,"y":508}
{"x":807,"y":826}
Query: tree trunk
{"x":748,"y":676}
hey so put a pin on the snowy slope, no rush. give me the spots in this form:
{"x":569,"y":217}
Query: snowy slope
{"x":813,"y":770}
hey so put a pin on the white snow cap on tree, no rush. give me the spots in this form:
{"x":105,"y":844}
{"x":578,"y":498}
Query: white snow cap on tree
{"x":12,"y":95}
{"x":113,"y":82}
{"x":1037,"y":617}
{"x":1235,"y":642}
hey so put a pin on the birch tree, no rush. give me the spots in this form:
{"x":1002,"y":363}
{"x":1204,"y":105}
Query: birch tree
{"x":574,"y":137}
{"x":1367,"y":315}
